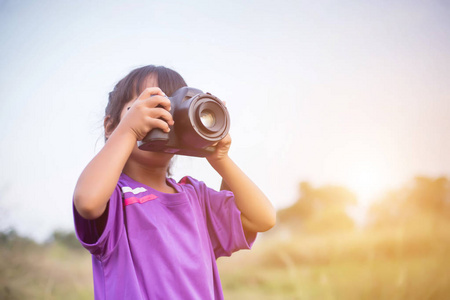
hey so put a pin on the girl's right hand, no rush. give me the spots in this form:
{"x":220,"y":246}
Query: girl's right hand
{"x":99,"y":179}
{"x":150,"y":110}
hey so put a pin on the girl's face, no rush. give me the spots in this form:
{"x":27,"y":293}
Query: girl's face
{"x":147,"y":158}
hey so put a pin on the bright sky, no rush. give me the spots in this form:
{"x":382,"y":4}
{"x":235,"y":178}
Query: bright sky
{"x":355,"y":93}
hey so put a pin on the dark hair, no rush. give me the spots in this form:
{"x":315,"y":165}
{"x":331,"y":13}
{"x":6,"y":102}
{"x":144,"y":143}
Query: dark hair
{"x":132,"y":85}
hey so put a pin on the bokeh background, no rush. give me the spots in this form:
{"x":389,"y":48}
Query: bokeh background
{"x":340,"y":113}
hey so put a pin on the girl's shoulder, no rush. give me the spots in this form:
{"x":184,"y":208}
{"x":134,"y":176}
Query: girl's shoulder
{"x":188,"y":180}
{"x":192,"y":183}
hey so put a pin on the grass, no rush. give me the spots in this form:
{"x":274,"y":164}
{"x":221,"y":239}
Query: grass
{"x":365,"y":265}
{"x":380,"y":264}
{"x":32,"y":271}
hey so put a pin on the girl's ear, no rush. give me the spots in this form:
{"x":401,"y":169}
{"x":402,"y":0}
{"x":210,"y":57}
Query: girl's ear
{"x":108,"y":126}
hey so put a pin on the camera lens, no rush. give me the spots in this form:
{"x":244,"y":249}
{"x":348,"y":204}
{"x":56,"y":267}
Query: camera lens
{"x":201,"y":120}
{"x":208,"y":118}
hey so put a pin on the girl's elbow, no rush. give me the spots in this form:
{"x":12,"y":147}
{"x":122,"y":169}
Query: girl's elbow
{"x":86,"y":207}
{"x":270,"y":218}
{"x":266,"y":224}
{"x":270,"y":222}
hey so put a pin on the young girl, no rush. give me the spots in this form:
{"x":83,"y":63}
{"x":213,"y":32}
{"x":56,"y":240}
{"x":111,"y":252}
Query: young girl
{"x":151,"y":237}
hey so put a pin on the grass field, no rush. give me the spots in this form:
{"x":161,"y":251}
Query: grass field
{"x":54,"y":271}
{"x":383,"y":264}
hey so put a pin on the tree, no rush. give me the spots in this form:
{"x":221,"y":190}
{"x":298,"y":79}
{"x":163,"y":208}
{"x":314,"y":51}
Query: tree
{"x":319,"y":209}
{"x":424,"y":198}
{"x":67,"y":239}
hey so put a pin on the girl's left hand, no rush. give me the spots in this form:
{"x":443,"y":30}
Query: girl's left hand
{"x":222,"y":148}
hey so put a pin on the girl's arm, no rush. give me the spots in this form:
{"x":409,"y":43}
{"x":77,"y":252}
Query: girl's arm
{"x":99,"y":179}
{"x":257,"y":213}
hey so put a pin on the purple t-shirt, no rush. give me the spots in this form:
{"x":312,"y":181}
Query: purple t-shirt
{"x":162,"y":246}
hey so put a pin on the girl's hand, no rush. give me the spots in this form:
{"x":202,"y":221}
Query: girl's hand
{"x":150,"y":110}
{"x":222,"y":148}
{"x":257,"y":213}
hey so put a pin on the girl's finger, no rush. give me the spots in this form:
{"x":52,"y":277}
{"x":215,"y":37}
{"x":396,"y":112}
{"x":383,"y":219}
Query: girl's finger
{"x":158,"y":101}
{"x":161,"y":113}
{"x":151,"y":91}
{"x":158,"y":123}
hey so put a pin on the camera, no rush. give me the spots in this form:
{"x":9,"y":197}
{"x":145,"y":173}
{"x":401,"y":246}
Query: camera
{"x":201,"y":120}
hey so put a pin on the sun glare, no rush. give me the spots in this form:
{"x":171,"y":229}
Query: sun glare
{"x":368,"y":180}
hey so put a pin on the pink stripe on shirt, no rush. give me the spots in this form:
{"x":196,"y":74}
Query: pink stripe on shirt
{"x":133,"y":200}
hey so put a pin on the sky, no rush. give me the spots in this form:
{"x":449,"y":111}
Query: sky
{"x":352,"y":93}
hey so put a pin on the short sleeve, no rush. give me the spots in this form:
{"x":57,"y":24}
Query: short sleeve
{"x":100,"y":244}
{"x":223,"y":220}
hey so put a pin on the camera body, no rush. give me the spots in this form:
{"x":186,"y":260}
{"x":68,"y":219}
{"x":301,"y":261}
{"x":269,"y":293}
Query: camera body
{"x":201,"y":120}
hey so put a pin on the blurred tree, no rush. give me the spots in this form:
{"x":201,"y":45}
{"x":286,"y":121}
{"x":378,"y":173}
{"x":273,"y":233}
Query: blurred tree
{"x":67,"y":239}
{"x":4,"y":211}
{"x":424,"y":198}
{"x":9,"y":238}
{"x":430,"y":194}
{"x":319,"y":209}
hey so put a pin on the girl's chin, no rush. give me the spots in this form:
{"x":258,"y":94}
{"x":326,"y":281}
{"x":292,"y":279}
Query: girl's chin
{"x":158,"y":155}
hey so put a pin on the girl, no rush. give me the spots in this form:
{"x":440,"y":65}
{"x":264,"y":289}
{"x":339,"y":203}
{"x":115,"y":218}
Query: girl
{"x":151,"y":237}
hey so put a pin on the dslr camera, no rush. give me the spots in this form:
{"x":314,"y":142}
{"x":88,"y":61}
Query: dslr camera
{"x":201,"y":120}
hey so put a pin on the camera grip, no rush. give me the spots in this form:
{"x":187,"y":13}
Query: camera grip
{"x":155,"y":140}
{"x":156,"y":134}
